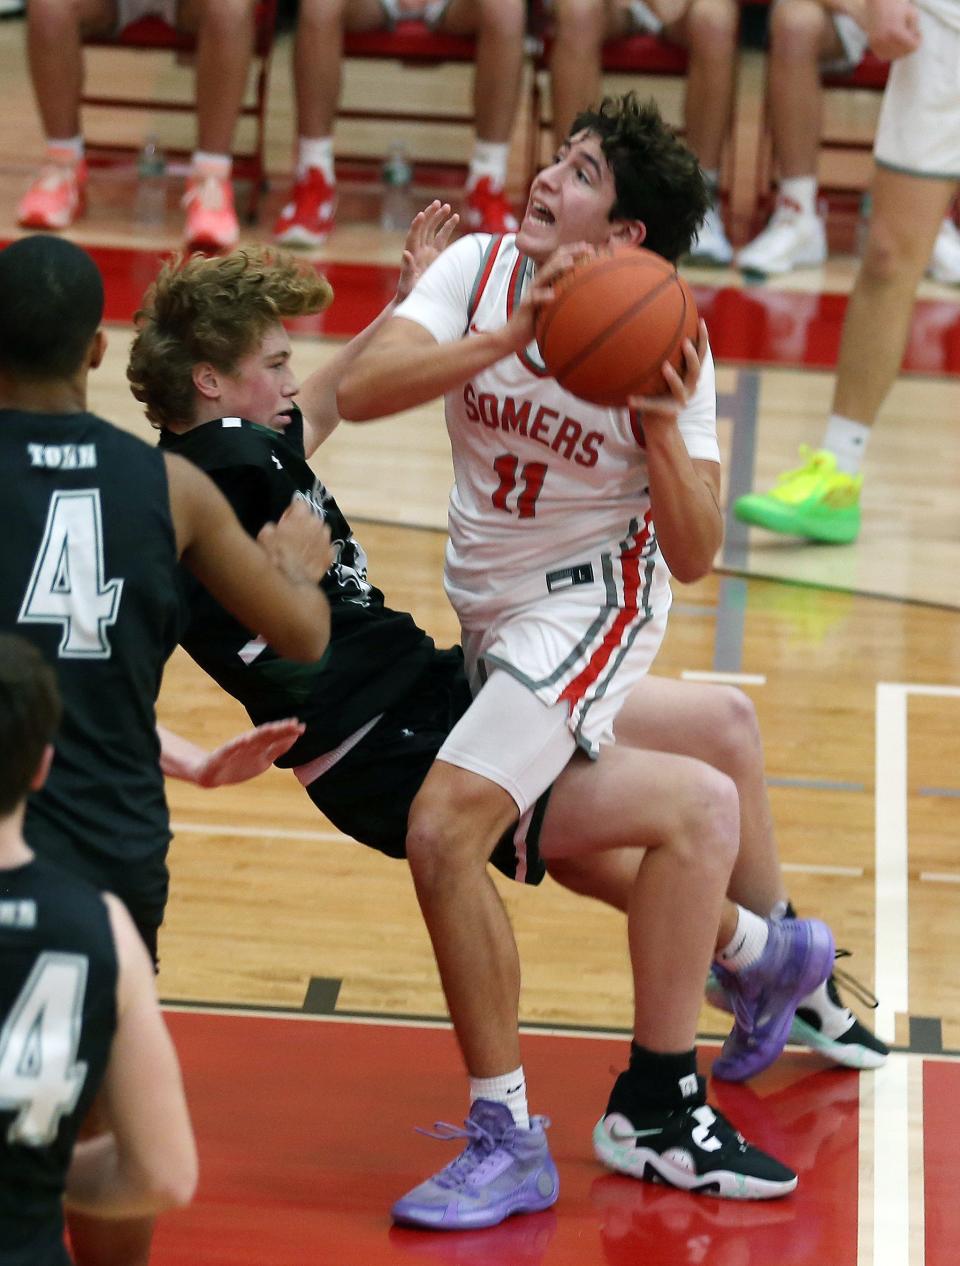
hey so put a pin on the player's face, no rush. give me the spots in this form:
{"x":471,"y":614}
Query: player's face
{"x":570,"y":201}
{"x":262,"y":387}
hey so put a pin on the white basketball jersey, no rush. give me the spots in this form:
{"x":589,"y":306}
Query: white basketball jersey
{"x":542,"y":477}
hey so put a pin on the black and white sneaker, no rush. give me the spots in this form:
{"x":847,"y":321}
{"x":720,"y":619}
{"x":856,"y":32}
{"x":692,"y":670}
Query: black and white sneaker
{"x":824,"y":1023}
{"x":693,"y":1147}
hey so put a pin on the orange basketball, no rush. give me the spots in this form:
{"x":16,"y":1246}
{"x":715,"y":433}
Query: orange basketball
{"x":612,"y":323}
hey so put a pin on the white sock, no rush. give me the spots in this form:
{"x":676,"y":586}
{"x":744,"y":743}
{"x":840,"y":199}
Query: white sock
{"x":847,"y":440}
{"x":747,"y":943}
{"x":219,"y":165}
{"x":802,"y":190}
{"x":316,"y":152}
{"x":834,"y":1020}
{"x":489,"y":159}
{"x":69,"y":147}
{"x":779,"y":910}
{"x":509,"y":1088}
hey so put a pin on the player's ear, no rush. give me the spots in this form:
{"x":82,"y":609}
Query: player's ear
{"x":206,"y":379}
{"x":40,"y":777}
{"x":628,"y":233}
{"x":98,"y":348}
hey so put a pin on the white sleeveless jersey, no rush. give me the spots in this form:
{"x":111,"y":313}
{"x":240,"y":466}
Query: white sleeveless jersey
{"x":543,"y":479}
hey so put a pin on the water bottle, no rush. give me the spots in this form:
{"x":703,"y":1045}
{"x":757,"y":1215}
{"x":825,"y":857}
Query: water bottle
{"x":397,"y":209}
{"x":151,"y":200}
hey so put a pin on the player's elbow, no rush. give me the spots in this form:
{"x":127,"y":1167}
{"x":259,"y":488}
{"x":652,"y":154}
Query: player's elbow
{"x":305,"y":640}
{"x":175,"y":1191}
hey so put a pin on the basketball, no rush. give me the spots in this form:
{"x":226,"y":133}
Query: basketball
{"x":612,"y":323}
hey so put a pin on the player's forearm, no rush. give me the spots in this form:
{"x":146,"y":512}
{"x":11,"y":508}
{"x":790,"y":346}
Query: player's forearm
{"x":685,"y":509}
{"x":103,"y":1184}
{"x":393,"y":374}
{"x":318,"y":395}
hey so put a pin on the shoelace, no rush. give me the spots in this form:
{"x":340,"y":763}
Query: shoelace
{"x":479,"y":1141}
{"x":849,"y":982}
{"x":208,"y":191}
{"x":810,"y":457}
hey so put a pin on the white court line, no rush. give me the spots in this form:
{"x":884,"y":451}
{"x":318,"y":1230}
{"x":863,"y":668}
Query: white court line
{"x":939,"y":877}
{"x":726,"y":679}
{"x":335,"y":837}
{"x":254,"y":832}
{"x":891,"y":919}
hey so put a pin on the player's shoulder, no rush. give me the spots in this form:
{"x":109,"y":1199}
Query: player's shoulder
{"x":225,"y":443}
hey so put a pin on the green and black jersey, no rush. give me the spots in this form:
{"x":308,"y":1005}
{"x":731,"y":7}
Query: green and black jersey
{"x":58,"y":1014}
{"x":375,"y":656}
{"x":89,"y":574}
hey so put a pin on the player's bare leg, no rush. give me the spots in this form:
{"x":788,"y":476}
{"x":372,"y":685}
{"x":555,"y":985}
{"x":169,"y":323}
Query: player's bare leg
{"x":801,"y":36}
{"x":709,"y":30}
{"x":906,"y":215}
{"x":455,"y":822}
{"x":499,"y":27}
{"x":579,"y":29}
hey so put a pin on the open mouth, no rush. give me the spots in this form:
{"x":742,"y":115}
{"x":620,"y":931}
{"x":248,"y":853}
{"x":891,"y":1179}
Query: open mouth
{"x":540,"y":214}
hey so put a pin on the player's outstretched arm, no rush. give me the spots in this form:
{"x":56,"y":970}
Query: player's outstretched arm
{"x":148,"y":1162}
{"x":404,"y":365}
{"x":429,"y":234}
{"x":270,"y":585}
{"x":238,"y":760}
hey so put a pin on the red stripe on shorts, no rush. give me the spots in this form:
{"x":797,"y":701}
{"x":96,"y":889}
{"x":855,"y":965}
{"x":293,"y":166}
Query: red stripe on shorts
{"x":630,"y":558}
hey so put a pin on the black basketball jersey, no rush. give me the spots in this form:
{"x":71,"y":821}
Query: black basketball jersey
{"x":58,"y":984}
{"x":375,"y":654}
{"x":88,"y":573}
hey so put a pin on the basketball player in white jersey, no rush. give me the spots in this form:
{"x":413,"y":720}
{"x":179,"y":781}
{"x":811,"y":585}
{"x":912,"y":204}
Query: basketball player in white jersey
{"x":564,"y":521}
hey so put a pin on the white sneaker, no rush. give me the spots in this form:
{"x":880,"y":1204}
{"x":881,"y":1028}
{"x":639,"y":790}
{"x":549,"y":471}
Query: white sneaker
{"x":792,"y":239}
{"x":945,"y":258}
{"x":711,"y":245}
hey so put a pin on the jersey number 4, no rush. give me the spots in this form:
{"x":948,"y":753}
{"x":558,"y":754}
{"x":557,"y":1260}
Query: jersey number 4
{"x":532,"y":474}
{"x":67,"y":586}
{"x":40,"y":1077}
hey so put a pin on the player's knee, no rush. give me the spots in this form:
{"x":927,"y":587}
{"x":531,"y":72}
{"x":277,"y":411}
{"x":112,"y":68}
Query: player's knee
{"x":796,"y":28}
{"x":709,"y":834}
{"x":225,"y":16}
{"x":507,"y":18}
{"x":440,"y":839}
{"x":736,"y":732}
{"x":580,"y":21}
{"x":713,"y":26}
{"x":887,"y":254}
{"x":52,"y":19}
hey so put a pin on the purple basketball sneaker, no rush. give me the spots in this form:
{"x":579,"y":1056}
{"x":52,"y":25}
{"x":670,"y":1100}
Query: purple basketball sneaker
{"x":797,"y":958}
{"x":503,"y":1170}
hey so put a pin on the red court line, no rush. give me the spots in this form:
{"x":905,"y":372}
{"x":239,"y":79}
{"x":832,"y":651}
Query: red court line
{"x":753,"y":325}
{"x":941,"y":1129}
{"x":305,"y":1134}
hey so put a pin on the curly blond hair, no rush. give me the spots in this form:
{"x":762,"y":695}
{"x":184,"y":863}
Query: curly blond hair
{"x":216,"y":310}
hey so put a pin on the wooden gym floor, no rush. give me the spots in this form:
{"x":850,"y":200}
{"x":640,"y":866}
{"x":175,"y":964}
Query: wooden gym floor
{"x":303,"y":995}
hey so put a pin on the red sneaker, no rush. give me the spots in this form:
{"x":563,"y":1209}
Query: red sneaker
{"x":56,"y":198}
{"x":212,"y":223}
{"x":308,"y":218}
{"x":486,"y":209}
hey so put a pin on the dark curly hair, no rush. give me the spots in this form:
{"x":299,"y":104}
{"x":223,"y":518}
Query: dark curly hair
{"x":29,"y":716}
{"x":657,"y":178}
{"x":216,"y":310}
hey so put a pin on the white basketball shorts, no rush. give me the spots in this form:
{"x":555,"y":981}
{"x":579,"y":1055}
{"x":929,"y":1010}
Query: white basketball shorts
{"x":919,"y":128}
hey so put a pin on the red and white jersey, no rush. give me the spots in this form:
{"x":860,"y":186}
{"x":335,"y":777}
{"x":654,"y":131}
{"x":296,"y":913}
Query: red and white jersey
{"x":542,"y":477}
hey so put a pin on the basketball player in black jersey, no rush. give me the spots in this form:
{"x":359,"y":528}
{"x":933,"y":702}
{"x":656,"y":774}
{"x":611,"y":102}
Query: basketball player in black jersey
{"x":93,"y":523}
{"x":385,"y":698}
{"x":78,"y":1009}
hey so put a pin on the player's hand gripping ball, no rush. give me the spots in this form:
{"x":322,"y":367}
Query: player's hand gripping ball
{"x":613,"y":321}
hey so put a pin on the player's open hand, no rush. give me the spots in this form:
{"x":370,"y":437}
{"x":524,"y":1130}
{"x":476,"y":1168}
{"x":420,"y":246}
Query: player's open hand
{"x":299,"y":545}
{"x":672,"y":403}
{"x":249,"y":754}
{"x":893,"y":27}
{"x":429,"y":233}
{"x":520,"y":329}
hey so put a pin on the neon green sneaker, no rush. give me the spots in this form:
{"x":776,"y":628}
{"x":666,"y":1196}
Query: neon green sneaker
{"x":816,"y":501}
